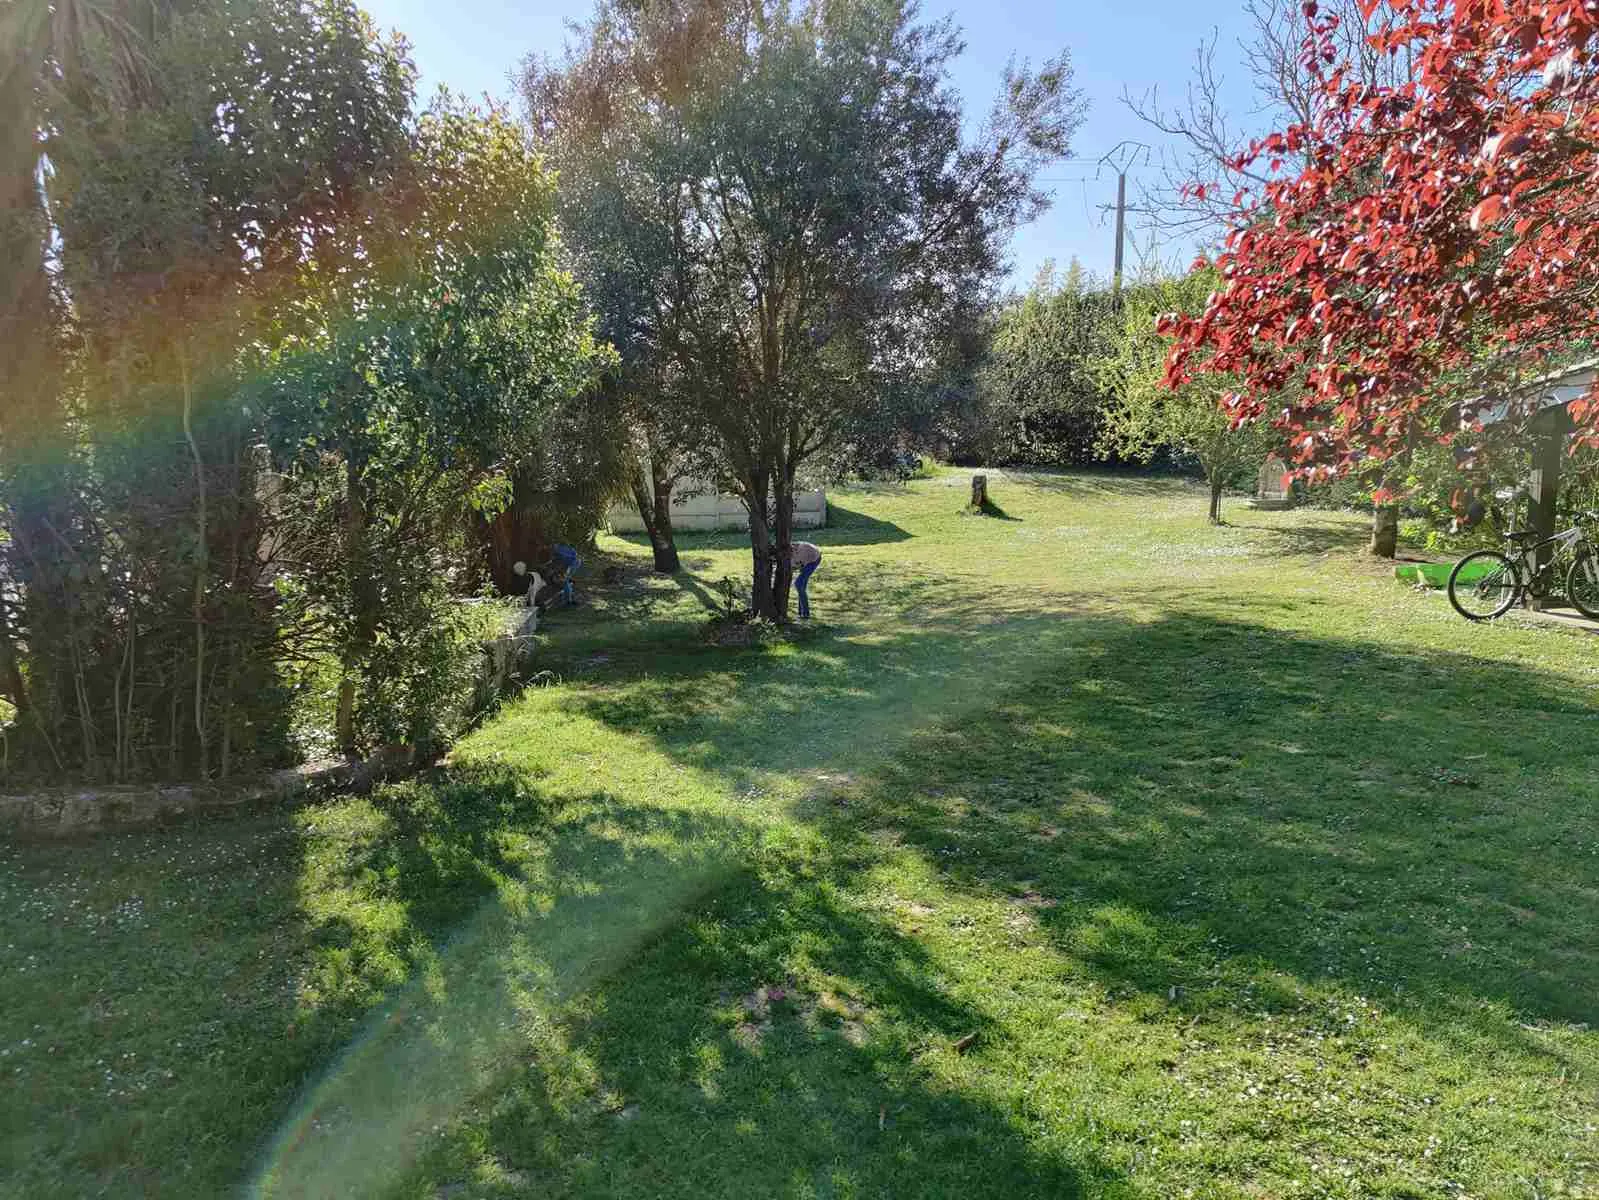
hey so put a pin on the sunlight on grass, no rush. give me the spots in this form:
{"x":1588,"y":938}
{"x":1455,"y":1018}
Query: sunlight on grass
{"x":1096,"y":852}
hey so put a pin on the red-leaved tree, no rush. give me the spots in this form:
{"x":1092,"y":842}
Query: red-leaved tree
{"x":1418,"y":244}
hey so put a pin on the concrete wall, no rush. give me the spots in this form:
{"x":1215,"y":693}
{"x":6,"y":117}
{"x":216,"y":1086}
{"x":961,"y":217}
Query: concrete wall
{"x":694,"y":509}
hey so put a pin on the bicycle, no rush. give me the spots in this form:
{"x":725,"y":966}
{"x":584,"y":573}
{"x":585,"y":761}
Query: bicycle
{"x":1487,"y":583}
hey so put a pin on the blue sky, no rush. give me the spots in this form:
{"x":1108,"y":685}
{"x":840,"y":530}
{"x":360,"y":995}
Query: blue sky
{"x":472,"y":45}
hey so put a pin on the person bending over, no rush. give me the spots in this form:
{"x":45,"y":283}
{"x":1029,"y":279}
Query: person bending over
{"x":565,"y":563}
{"x":806,"y":558}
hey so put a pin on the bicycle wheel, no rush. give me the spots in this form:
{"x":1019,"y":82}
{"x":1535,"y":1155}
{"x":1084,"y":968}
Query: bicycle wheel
{"x":1484,"y":585}
{"x":1582,"y":582}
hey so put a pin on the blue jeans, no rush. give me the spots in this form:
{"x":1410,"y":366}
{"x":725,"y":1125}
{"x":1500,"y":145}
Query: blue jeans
{"x":800,"y":580}
{"x":568,"y":559}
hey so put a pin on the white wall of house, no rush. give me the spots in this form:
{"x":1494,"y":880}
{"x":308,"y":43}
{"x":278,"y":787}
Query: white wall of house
{"x":696,"y":507}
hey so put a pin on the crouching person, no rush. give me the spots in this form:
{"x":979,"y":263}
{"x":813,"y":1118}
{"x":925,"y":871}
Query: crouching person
{"x":806,"y":558}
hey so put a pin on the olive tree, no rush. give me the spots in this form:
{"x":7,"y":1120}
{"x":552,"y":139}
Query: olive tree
{"x":818,"y":226}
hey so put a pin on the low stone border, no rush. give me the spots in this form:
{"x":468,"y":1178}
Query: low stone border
{"x":66,"y":812}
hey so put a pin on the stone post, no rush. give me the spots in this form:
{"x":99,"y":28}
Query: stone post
{"x":1385,"y":530}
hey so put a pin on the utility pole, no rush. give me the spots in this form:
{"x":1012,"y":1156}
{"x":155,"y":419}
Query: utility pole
{"x":1121,"y":227}
{"x":1121,"y":158}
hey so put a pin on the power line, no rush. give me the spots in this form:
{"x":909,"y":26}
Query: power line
{"x":1120,"y":158}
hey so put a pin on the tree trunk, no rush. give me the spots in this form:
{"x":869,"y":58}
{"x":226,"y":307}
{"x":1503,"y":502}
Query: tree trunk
{"x":31,"y":416}
{"x":11,"y":681}
{"x":783,"y":567}
{"x":202,"y":567}
{"x":663,"y":538}
{"x":1215,"y":501}
{"x":654,"y":500}
{"x":1385,"y":530}
{"x":763,"y":600}
{"x":1385,"y":517}
{"x":363,"y":627}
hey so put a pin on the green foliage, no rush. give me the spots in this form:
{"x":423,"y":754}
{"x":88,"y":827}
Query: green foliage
{"x":1145,"y":417}
{"x":447,"y":383}
{"x":1436,"y":488}
{"x":307,"y":338}
{"x":735,"y":596}
{"x":1041,"y":390}
{"x":416,"y":684}
{"x":786,"y":226}
{"x":186,"y":194}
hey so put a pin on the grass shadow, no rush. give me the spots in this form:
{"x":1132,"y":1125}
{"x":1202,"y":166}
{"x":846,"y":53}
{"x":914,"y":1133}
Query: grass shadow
{"x":850,"y":694}
{"x":691,"y":585}
{"x":850,"y":527}
{"x":778,"y":1040}
{"x":990,"y":509}
{"x":512,"y":907}
{"x":1258,"y":790}
{"x":1328,"y":848}
{"x":1090,"y":484}
{"x":1301,"y":539}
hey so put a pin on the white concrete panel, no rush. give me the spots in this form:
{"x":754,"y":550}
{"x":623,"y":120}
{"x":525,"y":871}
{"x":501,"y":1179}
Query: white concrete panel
{"x":708,"y":511}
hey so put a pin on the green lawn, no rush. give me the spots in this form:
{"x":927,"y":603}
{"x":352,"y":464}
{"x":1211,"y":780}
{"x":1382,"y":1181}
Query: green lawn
{"x":1080,"y":849}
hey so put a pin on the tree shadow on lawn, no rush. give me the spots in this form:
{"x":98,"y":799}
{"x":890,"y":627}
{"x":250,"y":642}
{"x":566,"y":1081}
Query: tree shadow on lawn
{"x":1304,"y":540}
{"x":646,"y":1011}
{"x":770,"y":1042}
{"x":1211,"y":818}
{"x":1226,"y":825}
{"x":1238,"y":812}
{"x":1097,"y":483}
{"x":393,"y":949}
{"x":848,"y":527}
{"x":1299,"y":796}
{"x":240,"y":957}
{"x":845,"y":527}
{"x":845,"y":693}
{"x":503,"y":903}
{"x":990,"y":509}
{"x":1412,"y":825}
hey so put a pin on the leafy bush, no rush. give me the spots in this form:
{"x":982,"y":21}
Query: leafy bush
{"x":418,"y":686}
{"x":1039,"y":397}
{"x":306,"y":336}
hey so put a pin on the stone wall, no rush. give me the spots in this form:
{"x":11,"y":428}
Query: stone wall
{"x":64,"y":812}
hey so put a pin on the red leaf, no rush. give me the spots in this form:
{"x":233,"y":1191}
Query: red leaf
{"x":1488,"y":211}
